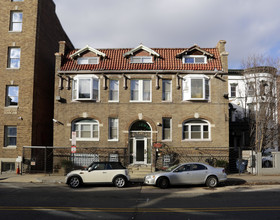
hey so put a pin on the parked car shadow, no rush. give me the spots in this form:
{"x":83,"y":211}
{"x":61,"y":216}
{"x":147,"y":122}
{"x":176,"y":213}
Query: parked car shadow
{"x":233,"y":182}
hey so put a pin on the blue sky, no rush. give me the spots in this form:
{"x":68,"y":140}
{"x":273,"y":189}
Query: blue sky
{"x":250,"y":27}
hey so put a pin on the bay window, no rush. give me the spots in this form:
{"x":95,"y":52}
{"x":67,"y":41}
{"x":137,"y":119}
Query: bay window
{"x":85,"y":88}
{"x":195,"y":87}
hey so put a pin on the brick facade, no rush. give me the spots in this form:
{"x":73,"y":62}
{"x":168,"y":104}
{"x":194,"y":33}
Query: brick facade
{"x":214,"y":110}
{"x":32,"y":116}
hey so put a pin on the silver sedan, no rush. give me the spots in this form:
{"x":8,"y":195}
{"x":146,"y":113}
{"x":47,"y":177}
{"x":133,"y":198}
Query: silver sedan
{"x":188,"y":173}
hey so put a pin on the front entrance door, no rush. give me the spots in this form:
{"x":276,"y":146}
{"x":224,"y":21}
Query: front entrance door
{"x":140,"y":151}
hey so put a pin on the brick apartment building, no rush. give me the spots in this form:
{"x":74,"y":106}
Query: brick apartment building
{"x":145,"y":106}
{"x":29,"y":31}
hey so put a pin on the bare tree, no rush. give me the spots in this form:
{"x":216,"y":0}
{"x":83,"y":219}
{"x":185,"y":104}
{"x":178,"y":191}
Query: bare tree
{"x":260,"y":76}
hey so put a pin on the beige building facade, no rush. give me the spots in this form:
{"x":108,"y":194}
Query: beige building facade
{"x":148,"y":107}
{"x":29,"y":31}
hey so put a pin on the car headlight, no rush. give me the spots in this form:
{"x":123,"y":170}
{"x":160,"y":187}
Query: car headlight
{"x":150,"y":177}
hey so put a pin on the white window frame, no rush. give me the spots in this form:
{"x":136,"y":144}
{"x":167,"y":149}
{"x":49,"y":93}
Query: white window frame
{"x":187,"y":88}
{"x":110,"y":126}
{"x":141,"y":59}
{"x":87,"y":60}
{"x":92,"y":123}
{"x":190,"y":124}
{"x":111,"y":90}
{"x":14,"y":57}
{"x":140,"y":97}
{"x":170,"y":132}
{"x":231,"y":86}
{"x":16,"y":22}
{"x":195,"y":58}
{"x":76,"y":85}
{"x":7,"y":136}
{"x":8,"y":95}
{"x":164,"y":91}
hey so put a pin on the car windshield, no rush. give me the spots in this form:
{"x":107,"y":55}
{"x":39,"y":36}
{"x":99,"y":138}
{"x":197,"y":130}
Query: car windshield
{"x":169,"y":169}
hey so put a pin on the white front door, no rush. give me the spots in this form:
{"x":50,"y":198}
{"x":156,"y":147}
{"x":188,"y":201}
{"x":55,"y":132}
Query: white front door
{"x":140,"y":150}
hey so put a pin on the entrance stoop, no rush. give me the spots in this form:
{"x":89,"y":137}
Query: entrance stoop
{"x":137,"y":172}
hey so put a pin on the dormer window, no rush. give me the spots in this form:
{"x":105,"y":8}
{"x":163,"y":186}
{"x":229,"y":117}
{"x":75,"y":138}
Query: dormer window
{"x":192,"y":59}
{"x":88,"y":60}
{"x":141,"y":59}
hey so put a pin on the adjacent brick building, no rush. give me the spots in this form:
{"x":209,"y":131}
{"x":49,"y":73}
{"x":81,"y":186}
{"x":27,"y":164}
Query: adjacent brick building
{"x":29,"y":31}
{"x":146,"y":106}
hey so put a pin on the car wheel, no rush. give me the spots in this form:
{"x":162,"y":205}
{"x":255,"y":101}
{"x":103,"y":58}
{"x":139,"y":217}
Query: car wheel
{"x":163,"y":182}
{"x":267,"y":164}
{"x":75,"y":182}
{"x":119,"y":181}
{"x":212,"y":181}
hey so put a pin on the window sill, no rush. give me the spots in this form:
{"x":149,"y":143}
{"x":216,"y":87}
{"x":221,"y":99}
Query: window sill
{"x":137,"y":101}
{"x":167,"y":140}
{"x":9,"y":68}
{"x":113,"y":140}
{"x":15,"y":31}
{"x":86,"y":139}
{"x":85,"y":100}
{"x":10,"y":147}
{"x":197,"y":140}
{"x":113,"y":101}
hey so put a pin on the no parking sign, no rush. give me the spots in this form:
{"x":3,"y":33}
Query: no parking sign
{"x":73,"y":149}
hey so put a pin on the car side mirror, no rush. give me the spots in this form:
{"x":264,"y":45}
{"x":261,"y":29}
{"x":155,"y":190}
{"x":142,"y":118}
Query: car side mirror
{"x":89,"y":169}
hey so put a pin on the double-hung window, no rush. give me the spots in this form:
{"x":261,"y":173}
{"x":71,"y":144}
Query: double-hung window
{"x":195,"y":87}
{"x":196,"y":130}
{"x":12,"y":96}
{"x":166,"y":90}
{"x":14,"y":58}
{"x":166,"y":129}
{"x":114,"y":91}
{"x":233,"y":90}
{"x":140,"y":90}
{"x":88,"y":60}
{"x":10,"y":136}
{"x":16,"y":21}
{"x":86,"y":129}
{"x":85,"y":88}
{"x":141,"y":59}
{"x":194,"y":59}
{"x":113,"y":129}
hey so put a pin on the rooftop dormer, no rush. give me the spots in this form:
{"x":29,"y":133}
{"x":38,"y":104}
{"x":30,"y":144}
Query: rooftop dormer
{"x":87,"y":55}
{"x":195,"y":55}
{"x":141,"y":54}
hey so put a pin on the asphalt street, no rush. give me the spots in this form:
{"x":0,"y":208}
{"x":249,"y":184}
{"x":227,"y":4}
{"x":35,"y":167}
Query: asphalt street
{"x":58,"y":201}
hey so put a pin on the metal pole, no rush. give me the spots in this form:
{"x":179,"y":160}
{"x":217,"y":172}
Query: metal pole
{"x":45,"y":159}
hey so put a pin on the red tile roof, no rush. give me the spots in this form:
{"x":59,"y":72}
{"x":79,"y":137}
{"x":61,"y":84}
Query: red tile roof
{"x":116,"y":61}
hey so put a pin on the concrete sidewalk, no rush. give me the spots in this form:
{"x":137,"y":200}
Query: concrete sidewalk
{"x":233,"y":179}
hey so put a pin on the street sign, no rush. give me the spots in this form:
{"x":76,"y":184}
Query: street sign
{"x":73,"y":149}
{"x":74,"y":138}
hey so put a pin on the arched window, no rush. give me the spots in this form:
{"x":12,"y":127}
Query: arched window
{"x":196,"y":130}
{"x":86,"y":129}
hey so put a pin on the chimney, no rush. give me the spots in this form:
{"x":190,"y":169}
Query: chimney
{"x":224,"y":55}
